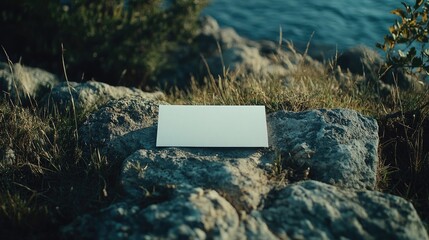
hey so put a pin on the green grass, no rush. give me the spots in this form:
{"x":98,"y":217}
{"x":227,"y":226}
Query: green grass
{"x":45,"y":182}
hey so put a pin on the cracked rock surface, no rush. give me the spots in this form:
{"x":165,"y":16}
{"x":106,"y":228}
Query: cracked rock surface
{"x":230,"y":193}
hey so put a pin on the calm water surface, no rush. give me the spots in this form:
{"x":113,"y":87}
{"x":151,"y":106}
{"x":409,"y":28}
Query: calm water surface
{"x":335,"y":23}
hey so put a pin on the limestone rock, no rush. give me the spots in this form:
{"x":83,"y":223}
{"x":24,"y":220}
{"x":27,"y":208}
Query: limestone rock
{"x":188,"y":213}
{"x":339,"y":146}
{"x":25,"y":83}
{"x":314,"y":210}
{"x":235,"y":174}
{"x":117,"y":118}
{"x":89,"y":95}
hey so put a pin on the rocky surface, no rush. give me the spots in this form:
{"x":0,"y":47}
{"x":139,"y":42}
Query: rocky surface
{"x":339,"y":146}
{"x":90,"y":95}
{"x":203,"y":193}
{"x":24,"y":84}
{"x":188,"y":213}
{"x":221,"y":49}
{"x":234,"y":51}
{"x":233,"y":173}
{"x":118,"y":118}
{"x":314,"y":210}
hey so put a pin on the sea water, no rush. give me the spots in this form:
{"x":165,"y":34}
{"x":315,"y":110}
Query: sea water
{"x":337,"y":24}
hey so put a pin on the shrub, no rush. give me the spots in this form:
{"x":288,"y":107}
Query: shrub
{"x":405,"y":46}
{"x":105,"y":40}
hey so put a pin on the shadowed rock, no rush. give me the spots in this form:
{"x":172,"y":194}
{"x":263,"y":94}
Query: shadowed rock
{"x":233,"y":173}
{"x":117,"y":118}
{"x":189,"y":213}
{"x":314,"y":210}
{"x":229,"y":193}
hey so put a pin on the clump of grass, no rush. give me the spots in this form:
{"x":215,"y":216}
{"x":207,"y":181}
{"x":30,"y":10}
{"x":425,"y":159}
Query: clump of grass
{"x":287,"y":169}
{"x":45,"y":182}
{"x":307,"y":87}
{"x":404,"y":147}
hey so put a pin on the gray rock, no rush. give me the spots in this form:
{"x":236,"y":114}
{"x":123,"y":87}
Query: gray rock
{"x":240,"y":54}
{"x":218,"y":50}
{"x":253,"y":226}
{"x":188,"y":213}
{"x":360,"y":60}
{"x":235,"y":174}
{"x":314,"y":210}
{"x":236,"y":52}
{"x":224,"y":193}
{"x":364,"y":61}
{"x":119,"y":148}
{"x":340,"y":146}
{"x":90,"y":95}
{"x":117,"y":118}
{"x":199,"y":215}
{"x":25,"y":83}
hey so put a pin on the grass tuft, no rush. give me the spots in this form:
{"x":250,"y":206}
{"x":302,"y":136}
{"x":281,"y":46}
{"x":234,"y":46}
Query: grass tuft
{"x":45,"y":181}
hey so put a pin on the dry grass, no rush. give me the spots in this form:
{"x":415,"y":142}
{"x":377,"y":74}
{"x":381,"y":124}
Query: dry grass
{"x":45,"y":182}
{"x":304,"y":92}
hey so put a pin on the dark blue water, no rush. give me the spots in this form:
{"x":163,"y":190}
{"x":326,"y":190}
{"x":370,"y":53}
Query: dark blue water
{"x":335,"y":23}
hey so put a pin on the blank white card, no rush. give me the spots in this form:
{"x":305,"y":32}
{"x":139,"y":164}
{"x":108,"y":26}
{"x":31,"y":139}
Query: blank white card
{"x":211,"y":126}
